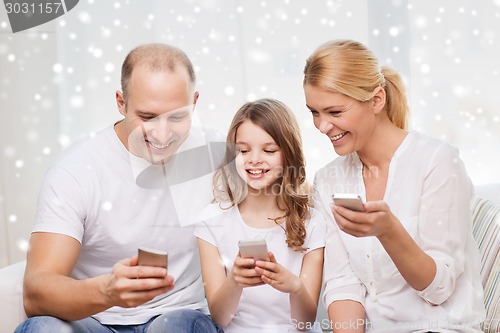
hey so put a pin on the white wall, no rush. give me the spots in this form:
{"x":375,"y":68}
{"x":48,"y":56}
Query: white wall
{"x":29,"y":126}
{"x":58,"y":80}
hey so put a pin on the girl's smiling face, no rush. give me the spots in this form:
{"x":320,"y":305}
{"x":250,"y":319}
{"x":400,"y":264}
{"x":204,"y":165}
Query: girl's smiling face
{"x":259,"y":161}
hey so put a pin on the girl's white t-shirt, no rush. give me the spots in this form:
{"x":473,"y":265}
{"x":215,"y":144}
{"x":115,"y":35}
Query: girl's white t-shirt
{"x":261,"y":308}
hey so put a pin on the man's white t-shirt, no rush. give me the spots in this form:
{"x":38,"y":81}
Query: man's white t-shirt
{"x":93,"y":194}
{"x":261,"y":308}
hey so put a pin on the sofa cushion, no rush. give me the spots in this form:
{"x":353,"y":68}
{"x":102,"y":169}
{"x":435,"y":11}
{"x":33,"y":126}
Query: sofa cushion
{"x":486,"y":230}
{"x":11,"y":290}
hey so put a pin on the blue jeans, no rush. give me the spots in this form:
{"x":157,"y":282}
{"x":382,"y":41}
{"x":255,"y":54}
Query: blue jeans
{"x":178,"y":321}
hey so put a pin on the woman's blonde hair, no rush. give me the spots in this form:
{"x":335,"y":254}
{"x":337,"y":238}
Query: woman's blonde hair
{"x":350,"y":68}
{"x":293,"y":197}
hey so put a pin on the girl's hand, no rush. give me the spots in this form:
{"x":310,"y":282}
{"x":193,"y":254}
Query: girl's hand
{"x":377,"y":220}
{"x":278,"y":277}
{"x":244,"y":274}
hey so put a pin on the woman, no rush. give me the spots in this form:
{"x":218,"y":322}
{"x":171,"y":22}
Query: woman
{"x":408,"y":262}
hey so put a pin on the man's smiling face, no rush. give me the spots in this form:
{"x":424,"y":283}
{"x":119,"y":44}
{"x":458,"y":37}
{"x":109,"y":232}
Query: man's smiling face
{"x":157,"y":113}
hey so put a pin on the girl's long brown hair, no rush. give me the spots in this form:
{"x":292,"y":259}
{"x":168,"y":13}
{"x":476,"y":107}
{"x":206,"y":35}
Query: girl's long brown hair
{"x":275,"y":118}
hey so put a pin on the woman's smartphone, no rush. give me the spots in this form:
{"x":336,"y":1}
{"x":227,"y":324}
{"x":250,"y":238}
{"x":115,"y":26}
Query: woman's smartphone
{"x":152,"y":257}
{"x":349,"y":201}
{"x":255,"y":249}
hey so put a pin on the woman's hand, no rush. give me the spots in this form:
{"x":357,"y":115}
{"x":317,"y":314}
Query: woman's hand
{"x":377,"y":219}
{"x":278,"y":277}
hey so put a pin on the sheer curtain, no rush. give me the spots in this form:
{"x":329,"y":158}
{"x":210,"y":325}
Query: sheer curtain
{"x":58,"y":80}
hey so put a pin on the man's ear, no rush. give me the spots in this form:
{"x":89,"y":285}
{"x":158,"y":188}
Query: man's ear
{"x":195,"y":98}
{"x":378,"y":100}
{"x":120,"y":102}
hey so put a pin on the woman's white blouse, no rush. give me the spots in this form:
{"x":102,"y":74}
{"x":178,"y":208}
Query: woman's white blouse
{"x":429,"y":191}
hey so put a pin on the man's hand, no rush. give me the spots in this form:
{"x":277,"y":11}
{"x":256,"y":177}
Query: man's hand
{"x":130,"y":285}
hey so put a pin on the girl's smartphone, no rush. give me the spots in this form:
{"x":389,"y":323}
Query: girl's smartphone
{"x":349,"y":201}
{"x":255,"y":249}
{"x":152,"y":257}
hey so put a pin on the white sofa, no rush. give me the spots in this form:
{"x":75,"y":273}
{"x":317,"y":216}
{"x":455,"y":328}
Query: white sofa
{"x":486,"y":214}
{"x":11,"y":302}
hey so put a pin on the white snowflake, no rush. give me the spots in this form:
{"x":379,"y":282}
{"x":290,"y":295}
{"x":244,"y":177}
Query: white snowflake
{"x":57,"y":68}
{"x":84,"y":17}
{"x":229,"y":91}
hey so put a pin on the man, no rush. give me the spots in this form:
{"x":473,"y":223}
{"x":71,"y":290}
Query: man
{"x":110,"y":195}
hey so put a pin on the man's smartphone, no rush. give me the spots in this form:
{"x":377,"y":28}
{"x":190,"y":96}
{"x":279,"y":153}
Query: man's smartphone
{"x":152,"y":257}
{"x":255,"y":249}
{"x":349,"y":201}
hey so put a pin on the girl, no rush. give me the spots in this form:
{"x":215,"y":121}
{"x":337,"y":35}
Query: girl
{"x":261,"y":194}
{"x":408,"y":263}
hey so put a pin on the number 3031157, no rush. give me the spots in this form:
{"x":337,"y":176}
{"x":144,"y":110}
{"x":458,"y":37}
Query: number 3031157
{"x":39,"y":8}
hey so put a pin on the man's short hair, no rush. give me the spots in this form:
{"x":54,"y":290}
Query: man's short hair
{"x":158,"y":57}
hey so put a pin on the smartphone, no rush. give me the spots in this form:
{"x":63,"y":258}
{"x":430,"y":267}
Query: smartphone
{"x":349,"y":201}
{"x":255,"y":249}
{"x":152,"y":257}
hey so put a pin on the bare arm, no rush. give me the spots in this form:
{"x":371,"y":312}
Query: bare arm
{"x":224,"y":292}
{"x":48,"y":289}
{"x":347,"y":316}
{"x":304,"y":303}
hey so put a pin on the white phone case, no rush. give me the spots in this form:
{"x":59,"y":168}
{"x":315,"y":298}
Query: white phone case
{"x":152,"y":257}
{"x":349,"y":201}
{"x":255,"y":249}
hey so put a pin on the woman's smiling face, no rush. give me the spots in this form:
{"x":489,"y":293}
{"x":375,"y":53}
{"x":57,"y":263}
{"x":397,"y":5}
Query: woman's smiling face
{"x":346,"y":121}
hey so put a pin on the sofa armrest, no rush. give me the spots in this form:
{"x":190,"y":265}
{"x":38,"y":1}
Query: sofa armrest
{"x":11,"y":296}
{"x":486,"y":230}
